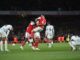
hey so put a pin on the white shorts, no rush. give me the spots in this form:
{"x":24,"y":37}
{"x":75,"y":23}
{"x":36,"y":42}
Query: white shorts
{"x":72,"y":42}
{"x":37,"y":35}
{"x":49,"y":37}
{"x":75,"y":42}
{"x":27,"y":35}
{"x":2,"y":33}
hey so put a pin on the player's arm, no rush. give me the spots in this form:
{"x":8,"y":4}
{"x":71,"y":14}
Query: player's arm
{"x":7,"y":33}
{"x":46,"y":32}
{"x":37,"y":29}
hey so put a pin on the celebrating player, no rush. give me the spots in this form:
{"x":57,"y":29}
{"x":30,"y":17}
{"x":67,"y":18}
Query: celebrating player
{"x":40,"y":23}
{"x":28,"y":34}
{"x":41,"y":20}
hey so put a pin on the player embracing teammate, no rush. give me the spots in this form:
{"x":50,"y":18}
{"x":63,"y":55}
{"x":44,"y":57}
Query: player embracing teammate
{"x":32,"y":33}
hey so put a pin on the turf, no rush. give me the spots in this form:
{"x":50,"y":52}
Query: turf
{"x":59,"y":51}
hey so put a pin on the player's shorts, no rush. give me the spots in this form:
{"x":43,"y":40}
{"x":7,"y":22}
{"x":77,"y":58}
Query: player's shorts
{"x":30,"y":40}
{"x":27,"y":35}
{"x":2,"y":34}
{"x":73,"y":42}
{"x":37,"y":35}
{"x":49,"y":36}
{"x":76,"y":41}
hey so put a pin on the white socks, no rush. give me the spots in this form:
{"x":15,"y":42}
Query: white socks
{"x":2,"y":47}
{"x":6,"y":45}
{"x":73,"y":47}
{"x":50,"y":44}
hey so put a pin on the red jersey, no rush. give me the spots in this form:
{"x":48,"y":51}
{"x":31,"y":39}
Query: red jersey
{"x":30,"y":27}
{"x":41,"y":20}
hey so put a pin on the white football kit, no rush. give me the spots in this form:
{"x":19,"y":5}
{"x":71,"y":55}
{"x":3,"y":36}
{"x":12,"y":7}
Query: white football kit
{"x":4,"y":32}
{"x":75,"y":40}
{"x":49,"y":33}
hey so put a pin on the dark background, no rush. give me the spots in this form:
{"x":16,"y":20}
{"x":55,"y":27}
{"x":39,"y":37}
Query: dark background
{"x":50,"y":5}
{"x":63,"y":23}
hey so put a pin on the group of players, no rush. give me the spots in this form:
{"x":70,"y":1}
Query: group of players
{"x":33,"y":30}
{"x":32,"y":34}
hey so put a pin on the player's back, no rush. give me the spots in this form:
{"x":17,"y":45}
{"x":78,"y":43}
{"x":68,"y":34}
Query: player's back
{"x":30,"y":27}
{"x":4,"y":28}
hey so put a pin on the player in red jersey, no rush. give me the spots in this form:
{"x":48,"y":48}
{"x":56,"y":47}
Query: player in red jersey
{"x":28,"y":34}
{"x":41,"y":20}
{"x":40,"y":23}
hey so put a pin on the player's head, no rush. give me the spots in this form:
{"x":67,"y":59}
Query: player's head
{"x":10,"y":27}
{"x":48,"y":23}
{"x":32,"y":23}
{"x":37,"y":19}
{"x":40,"y":20}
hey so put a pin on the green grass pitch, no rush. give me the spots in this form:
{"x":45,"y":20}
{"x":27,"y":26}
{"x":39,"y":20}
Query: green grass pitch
{"x":59,"y":51}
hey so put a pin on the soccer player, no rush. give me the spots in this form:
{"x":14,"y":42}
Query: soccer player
{"x":28,"y":34}
{"x":4,"y":32}
{"x":49,"y":34}
{"x":36,"y":37}
{"x":75,"y":40}
{"x":40,"y":23}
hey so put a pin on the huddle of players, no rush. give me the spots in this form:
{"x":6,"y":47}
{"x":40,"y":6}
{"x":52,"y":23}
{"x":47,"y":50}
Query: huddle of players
{"x":33,"y":30}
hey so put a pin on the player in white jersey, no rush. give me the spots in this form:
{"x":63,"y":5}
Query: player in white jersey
{"x":49,"y":34}
{"x":4,"y":32}
{"x":75,"y":41}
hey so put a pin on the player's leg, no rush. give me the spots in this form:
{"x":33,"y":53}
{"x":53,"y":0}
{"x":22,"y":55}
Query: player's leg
{"x":37,"y":43}
{"x":36,"y":40}
{"x":1,"y":45}
{"x":30,"y":41}
{"x":72,"y":44}
{"x":23,"y":42}
{"x":1,"y":42}
{"x":50,"y":41}
{"x":6,"y":44}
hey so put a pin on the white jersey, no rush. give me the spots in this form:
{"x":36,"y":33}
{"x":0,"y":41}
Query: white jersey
{"x":73,"y":38}
{"x":4,"y":30}
{"x":49,"y":31}
{"x":76,"y":39}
